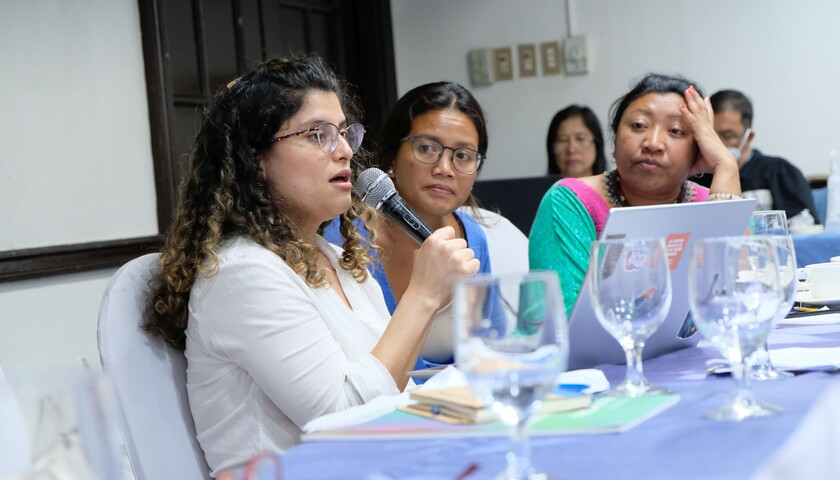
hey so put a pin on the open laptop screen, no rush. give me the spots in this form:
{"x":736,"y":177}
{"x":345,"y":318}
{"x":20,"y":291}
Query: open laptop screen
{"x":680,"y":225}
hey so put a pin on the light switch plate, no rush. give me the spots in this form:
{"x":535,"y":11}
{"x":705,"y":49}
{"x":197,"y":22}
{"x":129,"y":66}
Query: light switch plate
{"x":478,"y":62}
{"x":551,"y":58}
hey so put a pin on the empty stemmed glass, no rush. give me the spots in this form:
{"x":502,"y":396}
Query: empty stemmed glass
{"x":761,"y":367}
{"x":631,"y":294}
{"x":512,"y":343}
{"x":734,"y":295}
{"x":774,"y":223}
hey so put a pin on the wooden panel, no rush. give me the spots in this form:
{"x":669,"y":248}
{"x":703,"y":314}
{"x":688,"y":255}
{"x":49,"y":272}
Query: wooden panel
{"x":220,"y":43}
{"x":181,"y":53}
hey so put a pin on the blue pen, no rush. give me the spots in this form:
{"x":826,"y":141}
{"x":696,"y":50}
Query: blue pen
{"x":570,"y":387}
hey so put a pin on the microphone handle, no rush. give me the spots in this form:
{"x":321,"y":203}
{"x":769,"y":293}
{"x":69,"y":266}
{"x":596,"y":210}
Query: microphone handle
{"x":400,"y":213}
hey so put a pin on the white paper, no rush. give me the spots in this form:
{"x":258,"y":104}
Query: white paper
{"x":799,"y":358}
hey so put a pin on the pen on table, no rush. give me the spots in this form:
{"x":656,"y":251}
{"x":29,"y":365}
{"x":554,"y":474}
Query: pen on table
{"x":471,"y":468}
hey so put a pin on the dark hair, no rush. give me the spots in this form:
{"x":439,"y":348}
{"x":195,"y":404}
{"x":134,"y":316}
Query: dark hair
{"x":419,"y":100}
{"x":223,"y":192}
{"x":651,"y":83}
{"x":725,"y":100}
{"x":594,"y":126}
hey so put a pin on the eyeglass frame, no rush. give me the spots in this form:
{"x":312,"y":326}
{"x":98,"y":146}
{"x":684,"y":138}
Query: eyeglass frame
{"x":742,"y":139}
{"x":479,"y":157}
{"x":341,"y":133}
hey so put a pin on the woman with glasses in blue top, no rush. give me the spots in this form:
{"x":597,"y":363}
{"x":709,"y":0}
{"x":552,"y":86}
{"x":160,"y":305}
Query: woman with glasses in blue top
{"x":432,"y":145}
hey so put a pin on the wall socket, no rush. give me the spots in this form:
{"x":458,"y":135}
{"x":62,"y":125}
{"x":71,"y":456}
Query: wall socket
{"x":503,"y":63}
{"x":575,"y":55}
{"x":527,"y":60}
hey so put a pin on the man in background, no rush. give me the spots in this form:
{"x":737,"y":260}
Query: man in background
{"x":774,"y":182}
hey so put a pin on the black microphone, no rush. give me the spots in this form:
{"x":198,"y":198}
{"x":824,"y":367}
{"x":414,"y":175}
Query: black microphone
{"x":378,"y":191}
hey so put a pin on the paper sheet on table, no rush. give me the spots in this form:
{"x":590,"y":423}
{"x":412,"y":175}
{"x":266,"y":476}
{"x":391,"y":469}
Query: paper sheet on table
{"x":448,"y":377}
{"x":801,"y":359}
{"x":14,"y":440}
{"x":825,"y":319}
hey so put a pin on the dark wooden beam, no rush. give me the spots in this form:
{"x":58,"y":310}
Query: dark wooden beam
{"x":63,"y":259}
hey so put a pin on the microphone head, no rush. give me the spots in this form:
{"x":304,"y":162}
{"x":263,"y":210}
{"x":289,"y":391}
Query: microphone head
{"x":374,"y":186}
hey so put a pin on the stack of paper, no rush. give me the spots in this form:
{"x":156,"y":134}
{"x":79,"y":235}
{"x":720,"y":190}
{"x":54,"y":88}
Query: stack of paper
{"x":460,"y":405}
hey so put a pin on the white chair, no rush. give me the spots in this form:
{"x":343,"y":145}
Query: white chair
{"x":149,"y":379}
{"x":14,"y":439}
{"x":507,"y":245}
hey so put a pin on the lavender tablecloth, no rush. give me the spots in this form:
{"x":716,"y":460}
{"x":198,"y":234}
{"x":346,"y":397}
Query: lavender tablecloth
{"x":678,"y":443}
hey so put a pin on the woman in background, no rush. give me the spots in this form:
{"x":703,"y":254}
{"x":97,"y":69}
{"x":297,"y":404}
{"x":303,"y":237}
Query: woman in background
{"x":664,"y":133}
{"x":279,"y":326}
{"x":432,"y":145}
{"x":575,"y":144}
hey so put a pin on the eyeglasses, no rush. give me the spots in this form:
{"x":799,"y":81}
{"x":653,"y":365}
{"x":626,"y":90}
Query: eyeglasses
{"x":729,"y":137}
{"x":428,"y":150}
{"x":580,"y":140}
{"x":326,"y":135}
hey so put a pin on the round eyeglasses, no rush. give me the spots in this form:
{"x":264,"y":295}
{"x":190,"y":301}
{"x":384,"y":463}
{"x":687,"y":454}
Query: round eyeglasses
{"x":428,"y":150}
{"x":326,"y":135}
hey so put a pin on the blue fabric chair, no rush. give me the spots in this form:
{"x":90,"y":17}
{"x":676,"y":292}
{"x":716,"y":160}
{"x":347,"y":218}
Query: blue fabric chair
{"x":820,"y":201}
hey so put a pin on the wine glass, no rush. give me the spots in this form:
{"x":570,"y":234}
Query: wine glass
{"x":774,"y":223}
{"x":734,"y":295}
{"x":769,"y":222}
{"x":631,"y":294}
{"x":512,"y":343}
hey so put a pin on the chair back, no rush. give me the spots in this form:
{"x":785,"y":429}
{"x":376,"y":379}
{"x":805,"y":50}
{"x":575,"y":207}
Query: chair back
{"x":14,"y":439}
{"x":149,"y":379}
{"x":507,"y":245}
{"x":820,"y":203}
{"x":516,"y":198}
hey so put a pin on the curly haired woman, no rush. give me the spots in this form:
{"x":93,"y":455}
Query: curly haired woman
{"x":279,"y":326}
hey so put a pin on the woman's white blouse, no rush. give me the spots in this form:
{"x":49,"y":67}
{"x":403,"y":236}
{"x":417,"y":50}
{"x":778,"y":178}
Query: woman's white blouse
{"x":266,"y":353}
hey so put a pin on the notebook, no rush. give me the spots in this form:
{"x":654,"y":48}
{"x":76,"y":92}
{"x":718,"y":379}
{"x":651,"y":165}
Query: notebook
{"x":680,"y":225}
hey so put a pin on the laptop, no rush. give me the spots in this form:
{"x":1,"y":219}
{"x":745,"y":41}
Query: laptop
{"x":681,"y":225}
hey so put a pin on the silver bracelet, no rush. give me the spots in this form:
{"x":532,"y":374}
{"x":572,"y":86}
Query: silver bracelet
{"x":722,"y":196}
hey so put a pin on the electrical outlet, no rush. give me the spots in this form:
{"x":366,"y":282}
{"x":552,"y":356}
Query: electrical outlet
{"x":527,"y":60}
{"x":576,"y":56}
{"x":550,"y":54}
{"x":478,"y":62}
{"x":503,"y":63}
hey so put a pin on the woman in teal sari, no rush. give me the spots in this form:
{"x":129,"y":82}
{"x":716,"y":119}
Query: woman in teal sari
{"x":663,"y":132}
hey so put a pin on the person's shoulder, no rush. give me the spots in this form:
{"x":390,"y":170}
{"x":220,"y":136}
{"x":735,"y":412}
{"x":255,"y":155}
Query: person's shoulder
{"x":593,"y":182}
{"x":767,"y":160}
{"x":239,"y":248}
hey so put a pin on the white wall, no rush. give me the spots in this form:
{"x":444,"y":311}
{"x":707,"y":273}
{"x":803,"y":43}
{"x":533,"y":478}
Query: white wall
{"x":782,"y":54}
{"x":50,"y":322}
{"x":75,"y":148}
{"x":75,"y":162}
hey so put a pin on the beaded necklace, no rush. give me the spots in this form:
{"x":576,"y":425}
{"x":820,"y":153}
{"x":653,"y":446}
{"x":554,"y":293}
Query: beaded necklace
{"x":612,"y":185}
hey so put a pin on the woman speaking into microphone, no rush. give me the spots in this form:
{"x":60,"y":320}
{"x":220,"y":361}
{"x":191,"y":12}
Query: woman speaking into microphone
{"x":280,"y":326}
{"x":432,"y":146}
